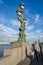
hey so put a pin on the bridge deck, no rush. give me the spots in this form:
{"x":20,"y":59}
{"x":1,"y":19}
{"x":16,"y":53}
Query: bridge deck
{"x":32,"y":62}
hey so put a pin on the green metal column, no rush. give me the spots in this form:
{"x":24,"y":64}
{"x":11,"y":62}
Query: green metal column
{"x":21,"y":18}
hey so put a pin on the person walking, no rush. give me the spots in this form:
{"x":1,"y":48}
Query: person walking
{"x":36,"y":56}
{"x":35,"y":52}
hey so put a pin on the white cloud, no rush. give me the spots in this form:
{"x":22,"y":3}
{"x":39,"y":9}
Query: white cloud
{"x":37,"y":18}
{"x":30,"y":27}
{"x":7,"y":33}
{"x":27,"y":22}
{"x":33,"y":18}
{"x":15,"y":22}
{"x":32,"y":36}
{"x":38,"y":31}
{"x":27,"y":11}
{"x":12,"y":35}
{"x":7,"y":38}
{"x":4,"y":30}
{"x":1,"y":1}
{"x":2,"y":19}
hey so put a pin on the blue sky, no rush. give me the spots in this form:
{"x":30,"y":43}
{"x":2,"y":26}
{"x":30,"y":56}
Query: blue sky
{"x":9,"y":25}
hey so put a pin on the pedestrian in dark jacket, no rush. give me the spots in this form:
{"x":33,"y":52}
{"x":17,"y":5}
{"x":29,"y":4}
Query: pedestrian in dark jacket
{"x":36,"y":54}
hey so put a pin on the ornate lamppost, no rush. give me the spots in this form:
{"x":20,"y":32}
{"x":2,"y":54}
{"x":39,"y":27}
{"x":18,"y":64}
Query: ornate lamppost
{"x":22,"y":20}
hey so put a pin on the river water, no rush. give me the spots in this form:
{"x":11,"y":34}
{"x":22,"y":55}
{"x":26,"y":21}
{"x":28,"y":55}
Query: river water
{"x":2,"y":47}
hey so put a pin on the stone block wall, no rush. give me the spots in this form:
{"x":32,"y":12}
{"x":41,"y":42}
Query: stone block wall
{"x":14,"y":55}
{"x":28,"y":48}
{"x":7,"y":52}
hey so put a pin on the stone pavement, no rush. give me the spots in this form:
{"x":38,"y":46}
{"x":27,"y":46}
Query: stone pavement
{"x":29,"y":61}
{"x":25,"y":62}
{"x":32,"y":62}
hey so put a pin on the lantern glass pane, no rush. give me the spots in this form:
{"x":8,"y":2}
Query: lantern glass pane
{"x":22,"y":6}
{"x":19,"y":13}
{"x":24,"y":21}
